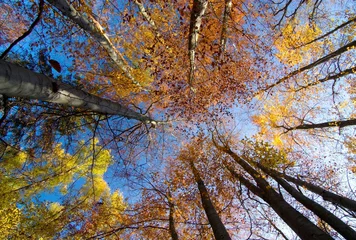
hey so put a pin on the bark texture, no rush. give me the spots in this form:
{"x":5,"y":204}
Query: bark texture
{"x":91,"y":26}
{"x":199,"y":8}
{"x":16,"y":81}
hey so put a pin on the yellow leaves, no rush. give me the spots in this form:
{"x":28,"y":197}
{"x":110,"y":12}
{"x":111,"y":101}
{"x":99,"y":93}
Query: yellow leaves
{"x":9,"y":219}
{"x":351,"y":147}
{"x":265,"y":153}
{"x":293,"y":46}
{"x":277,"y":141}
{"x":25,"y":177}
{"x":55,"y":208}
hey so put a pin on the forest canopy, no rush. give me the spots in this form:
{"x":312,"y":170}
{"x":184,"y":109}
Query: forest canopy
{"x":141,"y":119}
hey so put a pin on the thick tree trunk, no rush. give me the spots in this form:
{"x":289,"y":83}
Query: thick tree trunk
{"x":325,"y":194}
{"x":218,"y":227}
{"x":305,"y":229}
{"x":295,"y":220}
{"x":91,"y":26}
{"x":16,"y":81}
{"x":342,"y":228}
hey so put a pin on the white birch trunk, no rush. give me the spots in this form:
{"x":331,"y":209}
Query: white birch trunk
{"x":16,"y":81}
{"x":91,"y":26}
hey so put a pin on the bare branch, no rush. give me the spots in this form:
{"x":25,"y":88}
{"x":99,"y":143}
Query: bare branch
{"x":37,"y":20}
{"x":340,"y":124}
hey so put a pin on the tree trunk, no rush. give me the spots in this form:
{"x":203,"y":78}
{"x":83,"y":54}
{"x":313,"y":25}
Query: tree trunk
{"x":172,"y":228}
{"x":91,"y":26}
{"x":305,"y":229}
{"x":342,"y":228}
{"x":16,"y":81}
{"x":297,"y":222}
{"x":218,"y":227}
{"x":325,"y":194}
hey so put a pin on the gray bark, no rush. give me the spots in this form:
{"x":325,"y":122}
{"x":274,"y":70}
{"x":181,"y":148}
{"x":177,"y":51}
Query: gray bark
{"x":227,"y":12}
{"x":16,"y":81}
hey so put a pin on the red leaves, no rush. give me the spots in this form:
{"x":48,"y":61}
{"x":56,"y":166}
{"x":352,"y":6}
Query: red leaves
{"x":55,"y":65}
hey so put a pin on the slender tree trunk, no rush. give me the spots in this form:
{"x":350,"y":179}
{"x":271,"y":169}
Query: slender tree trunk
{"x":16,"y":81}
{"x":223,"y":38}
{"x":325,"y":194}
{"x":91,"y":26}
{"x":172,"y":228}
{"x":342,"y":228}
{"x":300,"y":224}
{"x":218,"y":227}
{"x":326,"y":58}
{"x":197,"y":13}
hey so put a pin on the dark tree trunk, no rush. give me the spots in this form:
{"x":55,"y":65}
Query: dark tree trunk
{"x":295,"y":220}
{"x":342,"y":228}
{"x":218,"y":227}
{"x":172,"y":228}
{"x":305,"y":229}
{"x":325,"y":194}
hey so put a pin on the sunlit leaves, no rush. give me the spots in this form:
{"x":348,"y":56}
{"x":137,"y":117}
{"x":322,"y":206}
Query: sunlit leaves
{"x":26,"y":178}
{"x":265,"y":153}
{"x":292,"y":45}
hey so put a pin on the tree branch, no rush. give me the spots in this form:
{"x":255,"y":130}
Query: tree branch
{"x":16,"y":81}
{"x":340,"y":124}
{"x":37,"y":20}
{"x":314,"y":64}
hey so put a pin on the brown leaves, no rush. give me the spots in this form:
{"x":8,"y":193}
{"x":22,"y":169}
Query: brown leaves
{"x":55,"y":65}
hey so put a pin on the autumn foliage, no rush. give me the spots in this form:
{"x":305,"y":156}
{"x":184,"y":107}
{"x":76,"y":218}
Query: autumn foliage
{"x":141,"y":119}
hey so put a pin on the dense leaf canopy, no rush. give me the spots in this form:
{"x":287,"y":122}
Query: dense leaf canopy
{"x":141,"y":119}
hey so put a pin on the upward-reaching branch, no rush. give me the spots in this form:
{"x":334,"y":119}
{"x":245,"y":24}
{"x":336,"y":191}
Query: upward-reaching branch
{"x":199,"y":7}
{"x":351,"y":20}
{"x":16,"y":81}
{"x":91,"y":26}
{"x":147,"y":17}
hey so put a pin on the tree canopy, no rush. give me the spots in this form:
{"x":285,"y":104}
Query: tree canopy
{"x":140,"y":119}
